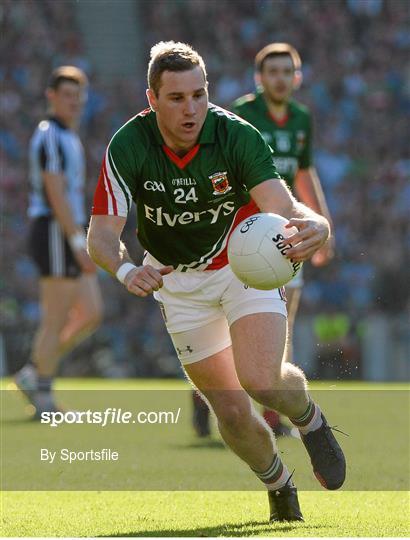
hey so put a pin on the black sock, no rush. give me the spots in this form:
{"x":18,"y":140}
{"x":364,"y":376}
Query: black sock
{"x":44,"y":384}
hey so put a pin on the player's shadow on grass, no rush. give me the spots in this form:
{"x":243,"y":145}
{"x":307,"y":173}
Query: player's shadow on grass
{"x":18,"y":421}
{"x":201,"y":444}
{"x":230,"y":529}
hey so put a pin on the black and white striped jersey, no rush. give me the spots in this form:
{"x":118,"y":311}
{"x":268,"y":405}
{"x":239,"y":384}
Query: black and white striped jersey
{"x":55,"y":148}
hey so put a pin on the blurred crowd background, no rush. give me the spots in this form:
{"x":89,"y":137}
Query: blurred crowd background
{"x":354,"y":317}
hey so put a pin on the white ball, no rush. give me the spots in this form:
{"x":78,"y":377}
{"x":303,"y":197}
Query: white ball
{"x":256,"y":252}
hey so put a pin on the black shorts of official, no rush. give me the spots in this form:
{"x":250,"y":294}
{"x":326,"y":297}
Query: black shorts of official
{"x":50,"y":250}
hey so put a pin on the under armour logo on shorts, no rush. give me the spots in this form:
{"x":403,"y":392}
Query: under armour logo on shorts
{"x":187,"y":349}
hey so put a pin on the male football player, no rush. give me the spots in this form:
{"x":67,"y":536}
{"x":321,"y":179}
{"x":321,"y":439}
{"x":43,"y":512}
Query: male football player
{"x":194,"y":171}
{"x":286,"y":125}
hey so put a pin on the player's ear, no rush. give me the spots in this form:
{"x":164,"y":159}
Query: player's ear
{"x":297,"y":79}
{"x":152,"y":100}
{"x":49,"y":93}
{"x":257,"y":79}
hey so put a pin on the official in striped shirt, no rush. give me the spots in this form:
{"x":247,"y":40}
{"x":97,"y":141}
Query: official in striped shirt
{"x":69,"y":293}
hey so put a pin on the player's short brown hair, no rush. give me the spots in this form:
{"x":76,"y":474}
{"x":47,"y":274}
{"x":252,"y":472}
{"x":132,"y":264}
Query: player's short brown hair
{"x":277,"y":49}
{"x":67,"y":73}
{"x":171,"y":56}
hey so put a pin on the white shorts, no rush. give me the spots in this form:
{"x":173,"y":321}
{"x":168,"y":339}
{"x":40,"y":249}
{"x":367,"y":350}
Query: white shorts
{"x":199,"y":307}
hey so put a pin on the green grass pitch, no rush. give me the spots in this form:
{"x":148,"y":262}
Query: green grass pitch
{"x":212,"y":513}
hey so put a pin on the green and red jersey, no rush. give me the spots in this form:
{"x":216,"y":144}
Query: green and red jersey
{"x":290,"y":138}
{"x":186,"y":207}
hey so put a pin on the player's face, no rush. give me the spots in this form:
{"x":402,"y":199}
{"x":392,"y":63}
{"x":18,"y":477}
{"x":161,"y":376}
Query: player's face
{"x":67,"y":101}
{"x":181,"y":106}
{"x":277,"y":78}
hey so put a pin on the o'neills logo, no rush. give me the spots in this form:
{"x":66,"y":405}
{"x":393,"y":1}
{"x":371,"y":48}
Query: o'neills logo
{"x":284,"y":248}
{"x":220,"y":183}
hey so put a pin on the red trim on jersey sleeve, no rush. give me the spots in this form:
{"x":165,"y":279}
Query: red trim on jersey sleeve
{"x":181,"y":162}
{"x":114,"y":202}
{"x":101,"y":196}
{"x":100,"y":202}
{"x":245,"y":211}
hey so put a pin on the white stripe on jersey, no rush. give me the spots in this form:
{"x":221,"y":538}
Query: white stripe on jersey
{"x":201,"y":265}
{"x":109,"y":198}
{"x":124,"y":185}
{"x":120,"y":199}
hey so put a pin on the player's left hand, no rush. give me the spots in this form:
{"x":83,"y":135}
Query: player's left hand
{"x":311,"y":236}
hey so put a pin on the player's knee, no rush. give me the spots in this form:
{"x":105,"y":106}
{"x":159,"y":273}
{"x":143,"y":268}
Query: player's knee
{"x":94,"y":317}
{"x":52,"y":323}
{"x":257,"y":385}
{"x":95,"y":320}
{"x":264,"y":397}
{"x":234,"y":417}
{"x":270,"y":393}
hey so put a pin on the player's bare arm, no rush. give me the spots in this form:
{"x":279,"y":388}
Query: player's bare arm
{"x":108,"y":251}
{"x":309,"y":190}
{"x":313,"y":229}
{"x":55,"y":185}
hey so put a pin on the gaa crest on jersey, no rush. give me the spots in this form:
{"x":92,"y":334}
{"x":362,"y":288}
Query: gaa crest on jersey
{"x":220,"y":183}
{"x":282,"y":141}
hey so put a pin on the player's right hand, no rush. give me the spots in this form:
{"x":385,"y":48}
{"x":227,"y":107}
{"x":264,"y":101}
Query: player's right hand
{"x":324,"y":254}
{"x":84,"y":261}
{"x":143,"y":280}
